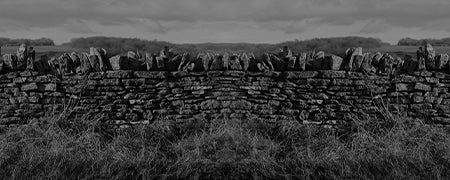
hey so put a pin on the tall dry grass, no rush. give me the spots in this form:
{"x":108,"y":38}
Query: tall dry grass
{"x":70,"y":147}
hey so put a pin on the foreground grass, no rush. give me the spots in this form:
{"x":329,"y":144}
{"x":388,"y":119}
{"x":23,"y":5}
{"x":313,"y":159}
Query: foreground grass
{"x":387,"y":147}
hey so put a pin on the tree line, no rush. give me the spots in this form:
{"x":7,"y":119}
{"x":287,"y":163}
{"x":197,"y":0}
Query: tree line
{"x":115,"y":45}
{"x":32,"y":42}
{"x":421,"y":42}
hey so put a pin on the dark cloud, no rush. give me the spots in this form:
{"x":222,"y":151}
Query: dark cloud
{"x":163,"y":16}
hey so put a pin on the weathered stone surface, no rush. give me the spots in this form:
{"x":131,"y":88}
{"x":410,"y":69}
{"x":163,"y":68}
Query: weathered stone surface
{"x":410,"y":65}
{"x":301,"y":74}
{"x":119,"y":74}
{"x":49,"y":87}
{"x":318,"y":61}
{"x":85,"y":65}
{"x":149,"y":74}
{"x":219,"y":63}
{"x":95,"y":63}
{"x":119,"y":63}
{"x":301,"y":62}
{"x":422,"y":87}
{"x":442,"y":62}
{"x":22,"y":56}
{"x":29,"y":87}
{"x":333,"y":74}
{"x":235,"y":63}
{"x":357,"y":62}
{"x":422,"y":65}
{"x":10,"y":61}
{"x":403,"y":87}
{"x":103,"y":64}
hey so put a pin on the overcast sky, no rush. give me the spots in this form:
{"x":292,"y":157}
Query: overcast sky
{"x":192,"y":21}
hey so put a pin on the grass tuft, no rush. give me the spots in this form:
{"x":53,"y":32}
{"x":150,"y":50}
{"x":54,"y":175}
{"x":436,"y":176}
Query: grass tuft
{"x":83,"y":147}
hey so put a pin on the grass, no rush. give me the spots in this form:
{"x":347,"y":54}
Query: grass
{"x":401,"y":51}
{"x":43,"y":50}
{"x":69,"y":147}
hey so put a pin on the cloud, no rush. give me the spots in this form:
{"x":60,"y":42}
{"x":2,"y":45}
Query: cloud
{"x":78,"y":26}
{"x":161,"y":17}
{"x":374,"y":26}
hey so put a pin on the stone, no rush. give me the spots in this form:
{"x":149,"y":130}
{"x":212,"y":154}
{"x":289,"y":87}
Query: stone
{"x":2,"y":65}
{"x":133,"y":55}
{"x":10,"y":61}
{"x":366,"y":66}
{"x":235,"y":63}
{"x":319,"y":82}
{"x":430,"y":63}
{"x":49,"y":87}
{"x":421,"y":64}
{"x":118,"y":74}
{"x":332,"y":62}
{"x":150,"y":61}
{"x":110,"y":82}
{"x":206,"y":61}
{"x":351,"y":54}
{"x":291,"y":62}
{"x":317,"y":63}
{"x":137,"y":64}
{"x":63,"y":63}
{"x":100,"y":61}
{"x":218,"y":63}
{"x":41,"y":65}
{"x":85,"y":64}
{"x":22,"y":56}
{"x":95,"y":63}
{"x":301,"y":74}
{"x":357,"y":62}
{"x":30,"y":64}
{"x":75,"y":58}
{"x":301,"y":62}
{"x":422,"y":87}
{"x":402,"y":87}
{"x":119,"y":62}
{"x":410,"y":64}
{"x":160,"y":63}
{"x":429,"y":57}
{"x":333,"y":74}
{"x":442,"y":62}
{"x":245,"y":61}
{"x":150,"y":74}
{"x":30,"y":87}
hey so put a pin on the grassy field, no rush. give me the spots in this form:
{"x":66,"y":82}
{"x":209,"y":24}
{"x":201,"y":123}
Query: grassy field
{"x":44,"y":50}
{"x":387,"y":147}
{"x":401,"y":51}
{"x":41,"y":49}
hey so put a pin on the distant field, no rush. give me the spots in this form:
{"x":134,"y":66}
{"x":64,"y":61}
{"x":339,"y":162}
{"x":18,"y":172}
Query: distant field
{"x":393,"y":50}
{"x":49,"y":50}
{"x":404,"y":50}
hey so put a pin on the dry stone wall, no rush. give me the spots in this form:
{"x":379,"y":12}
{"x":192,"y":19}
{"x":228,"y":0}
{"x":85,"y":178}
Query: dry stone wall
{"x":123,"y":98}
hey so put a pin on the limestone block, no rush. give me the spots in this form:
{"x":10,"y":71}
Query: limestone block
{"x":119,"y":62}
{"x":10,"y":61}
{"x":95,"y":63}
{"x":30,"y":87}
{"x":357,"y":62}
{"x":442,"y":62}
{"x":332,"y":62}
{"x":235,"y":63}
{"x":85,"y":64}
{"x":422,"y":87}
{"x":218,"y":63}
